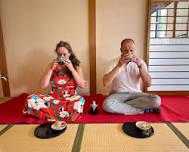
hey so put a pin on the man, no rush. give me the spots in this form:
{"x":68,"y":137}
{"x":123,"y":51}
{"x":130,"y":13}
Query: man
{"x":125,"y":74}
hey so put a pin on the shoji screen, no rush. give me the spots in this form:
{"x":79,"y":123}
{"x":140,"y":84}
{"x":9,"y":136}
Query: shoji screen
{"x":169,"y":64}
{"x":168,"y":54}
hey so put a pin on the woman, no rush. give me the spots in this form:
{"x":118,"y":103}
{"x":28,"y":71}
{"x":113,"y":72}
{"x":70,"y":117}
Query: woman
{"x":62,"y":103}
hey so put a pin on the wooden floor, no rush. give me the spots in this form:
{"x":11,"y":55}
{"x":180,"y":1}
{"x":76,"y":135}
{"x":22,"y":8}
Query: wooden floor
{"x":101,"y":137}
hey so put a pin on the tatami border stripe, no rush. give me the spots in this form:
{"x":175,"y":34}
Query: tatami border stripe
{"x":178,"y":133}
{"x":78,"y":139}
{"x":6,"y":128}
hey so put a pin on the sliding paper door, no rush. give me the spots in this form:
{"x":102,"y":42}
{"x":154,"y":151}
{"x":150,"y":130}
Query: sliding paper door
{"x":168,"y":54}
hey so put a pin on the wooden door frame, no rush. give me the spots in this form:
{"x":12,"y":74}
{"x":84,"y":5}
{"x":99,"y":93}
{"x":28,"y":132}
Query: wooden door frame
{"x":3,"y":65}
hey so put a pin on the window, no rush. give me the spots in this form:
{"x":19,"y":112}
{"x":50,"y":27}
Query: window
{"x":168,"y":54}
{"x":169,"y":19}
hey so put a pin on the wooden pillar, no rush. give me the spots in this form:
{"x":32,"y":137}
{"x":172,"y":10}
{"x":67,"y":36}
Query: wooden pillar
{"x":92,"y":45}
{"x":147,"y":39}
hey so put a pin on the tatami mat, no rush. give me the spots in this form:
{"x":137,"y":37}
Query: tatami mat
{"x":2,"y":127}
{"x":3,"y":99}
{"x":21,"y":138}
{"x":183,"y":128}
{"x":110,"y":137}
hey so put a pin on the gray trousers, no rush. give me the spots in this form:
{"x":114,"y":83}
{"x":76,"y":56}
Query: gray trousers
{"x":130,"y":103}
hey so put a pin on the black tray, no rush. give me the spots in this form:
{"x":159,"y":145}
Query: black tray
{"x":45,"y":131}
{"x":131,"y":130}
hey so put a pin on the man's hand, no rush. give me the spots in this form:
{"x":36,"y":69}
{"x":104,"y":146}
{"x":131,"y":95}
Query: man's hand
{"x":124,"y":59}
{"x":136,"y":60}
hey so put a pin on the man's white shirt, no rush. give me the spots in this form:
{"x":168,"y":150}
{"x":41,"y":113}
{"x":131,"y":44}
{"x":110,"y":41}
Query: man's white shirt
{"x":127,"y":78}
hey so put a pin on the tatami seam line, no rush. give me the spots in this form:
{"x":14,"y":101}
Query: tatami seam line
{"x":178,"y":133}
{"x":6,"y":128}
{"x":78,"y":138}
{"x":80,"y":131}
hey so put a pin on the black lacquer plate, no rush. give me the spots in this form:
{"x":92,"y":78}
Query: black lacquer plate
{"x":45,"y":131}
{"x":131,"y":130}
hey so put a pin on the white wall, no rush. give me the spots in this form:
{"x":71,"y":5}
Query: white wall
{"x":116,"y":20}
{"x":32,"y":28}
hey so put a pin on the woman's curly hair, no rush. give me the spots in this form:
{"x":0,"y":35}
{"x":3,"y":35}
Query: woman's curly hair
{"x":73,"y":58}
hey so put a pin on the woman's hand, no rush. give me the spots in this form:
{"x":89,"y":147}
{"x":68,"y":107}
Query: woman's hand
{"x":68,"y":64}
{"x":52,"y":65}
{"x":44,"y":82}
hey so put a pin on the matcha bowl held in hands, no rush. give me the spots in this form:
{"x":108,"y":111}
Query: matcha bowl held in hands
{"x":130,"y":55}
{"x":60,"y":59}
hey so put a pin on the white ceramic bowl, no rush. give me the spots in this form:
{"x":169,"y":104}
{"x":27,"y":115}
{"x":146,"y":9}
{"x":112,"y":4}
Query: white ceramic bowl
{"x":143,"y":125}
{"x":59,"y":126}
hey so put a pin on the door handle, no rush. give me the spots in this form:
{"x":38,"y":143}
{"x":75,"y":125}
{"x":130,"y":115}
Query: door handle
{"x":4,"y":77}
